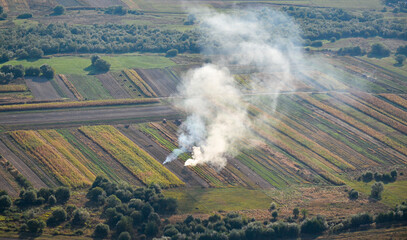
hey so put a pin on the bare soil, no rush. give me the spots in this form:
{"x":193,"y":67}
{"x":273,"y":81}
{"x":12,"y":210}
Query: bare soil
{"x":64,"y":88}
{"x":112,"y":86}
{"x":162,"y":81}
{"x":42,"y":89}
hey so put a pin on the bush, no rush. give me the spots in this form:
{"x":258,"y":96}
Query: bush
{"x":378,"y":50}
{"x":316,"y":44}
{"x":377,"y":189}
{"x":285,"y":230}
{"x":361,"y":219}
{"x":32,"y":72}
{"x":58,"y":216}
{"x":296,"y":212}
{"x":25,"y":16}
{"x":35,"y":226}
{"x":59,"y":10}
{"x":367,"y":176}
{"x":62,"y":194}
{"x":385,"y":217}
{"x":52,"y":200}
{"x":274,"y":214}
{"x":80,"y":216}
{"x":5,"y":203}
{"x":315,"y":225}
{"x":353,"y":195}
{"x":124,"y":236}
{"x":48,"y":72}
{"x":171,"y":53}
{"x":101,"y":231}
{"x":272,"y":206}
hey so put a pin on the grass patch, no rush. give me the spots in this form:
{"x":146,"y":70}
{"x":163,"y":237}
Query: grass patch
{"x":78,"y":64}
{"x":215,"y":199}
{"x":89,"y":87}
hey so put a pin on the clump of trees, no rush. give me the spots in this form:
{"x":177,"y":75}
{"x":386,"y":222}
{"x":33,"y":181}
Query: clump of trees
{"x":100,"y":64}
{"x":378,"y":50}
{"x":379,"y":177}
{"x":25,"y":16}
{"x":351,"y":51}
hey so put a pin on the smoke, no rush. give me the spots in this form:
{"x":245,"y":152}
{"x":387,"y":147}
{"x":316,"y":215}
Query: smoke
{"x":262,"y":41}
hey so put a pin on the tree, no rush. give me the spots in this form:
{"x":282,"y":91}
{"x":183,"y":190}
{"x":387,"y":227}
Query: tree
{"x":377,"y":189}
{"x":62,"y":194}
{"x":101,"y":231}
{"x":353,"y":194}
{"x":96,"y":195}
{"x":58,"y":216}
{"x":52,"y":200}
{"x":48,"y":72}
{"x":171,"y":53}
{"x":5,"y":77}
{"x":35,"y":226}
{"x":59,"y":10}
{"x":80,"y":216}
{"x":32,"y":72}
{"x":151,"y":229}
{"x":25,"y":16}
{"x":304,"y":213}
{"x":400,"y":59}
{"x":99,"y":64}
{"x":272,"y":206}
{"x":315,"y":225}
{"x":35,"y":53}
{"x":378,"y":50}
{"x":18,"y":71}
{"x":124,"y":236}
{"x":296,"y":211}
{"x":5,"y":203}
{"x":274,"y":215}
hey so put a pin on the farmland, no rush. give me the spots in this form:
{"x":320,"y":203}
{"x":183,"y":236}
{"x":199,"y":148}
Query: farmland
{"x":316,"y":121}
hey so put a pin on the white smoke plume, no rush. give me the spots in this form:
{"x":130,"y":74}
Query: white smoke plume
{"x":262,"y":40}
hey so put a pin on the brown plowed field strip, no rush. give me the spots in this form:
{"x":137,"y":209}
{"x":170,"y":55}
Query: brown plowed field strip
{"x":160,"y":80}
{"x":21,"y":166}
{"x":42,"y":89}
{"x":123,"y":173}
{"x":112,"y":86}
{"x":158,"y":153}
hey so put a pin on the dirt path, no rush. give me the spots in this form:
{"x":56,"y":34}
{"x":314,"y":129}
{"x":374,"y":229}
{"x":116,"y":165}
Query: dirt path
{"x":20,"y":165}
{"x":158,"y":153}
{"x":112,"y":86}
{"x":42,"y":89}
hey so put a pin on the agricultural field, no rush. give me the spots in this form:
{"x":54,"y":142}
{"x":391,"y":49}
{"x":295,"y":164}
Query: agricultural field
{"x":314,"y":122}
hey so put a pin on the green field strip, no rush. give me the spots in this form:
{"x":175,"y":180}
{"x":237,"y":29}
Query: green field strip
{"x":89,"y":87}
{"x":98,"y":167}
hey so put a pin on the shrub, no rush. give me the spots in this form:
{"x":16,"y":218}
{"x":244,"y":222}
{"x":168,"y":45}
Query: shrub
{"x":32,"y":72}
{"x":62,"y":194}
{"x":35,"y":226}
{"x":80,"y":216}
{"x":315,"y":225}
{"x":25,"y":16}
{"x":124,"y":236}
{"x":5,"y":203}
{"x":52,"y":200}
{"x":378,"y":50}
{"x":57,"y":217}
{"x":360,"y":219}
{"x":353,"y":195}
{"x":377,"y":189}
{"x":48,"y":72}
{"x":296,"y":212}
{"x":367,"y":176}
{"x":59,"y":10}
{"x":316,"y":44}
{"x":274,"y":214}
{"x":96,"y":195}
{"x":101,"y":231}
{"x":171,"y":53}
{"x":272,"y":206}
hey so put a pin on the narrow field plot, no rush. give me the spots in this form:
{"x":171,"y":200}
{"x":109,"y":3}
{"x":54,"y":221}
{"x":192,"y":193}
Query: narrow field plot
{"x":69,"y":3}
{"x":104,"y":3}
{"x":50,"y":159}
{"x":139,"y":162}
{"x":68,"y":88}
{"x":396,"y":99}
{"x":164,"y":82}
{"x":42,"y":89}
{"x":13,"y":88}
{"x":139,"y":83}
{"x":112,"y":86}
{"x":89,"y":87}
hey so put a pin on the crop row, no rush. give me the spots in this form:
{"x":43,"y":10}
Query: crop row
{"x":139,"y":82}
{"x":135,"y":159}
{"x":350,"y":120}
{"x":371,"y":112}
{"x":13,"y":88}
{"x":71,"y":87}
{"x":93,"y":103}
{"x":50,"y":159}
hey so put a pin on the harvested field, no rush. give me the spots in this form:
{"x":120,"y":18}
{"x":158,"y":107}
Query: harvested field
{"x":112,"y":86}
{"x":50,"y":159}
{"x":21,"y":166}
{"x":139,"y":162}
{"x":164,"y":82}
{"x":42,"y":88}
